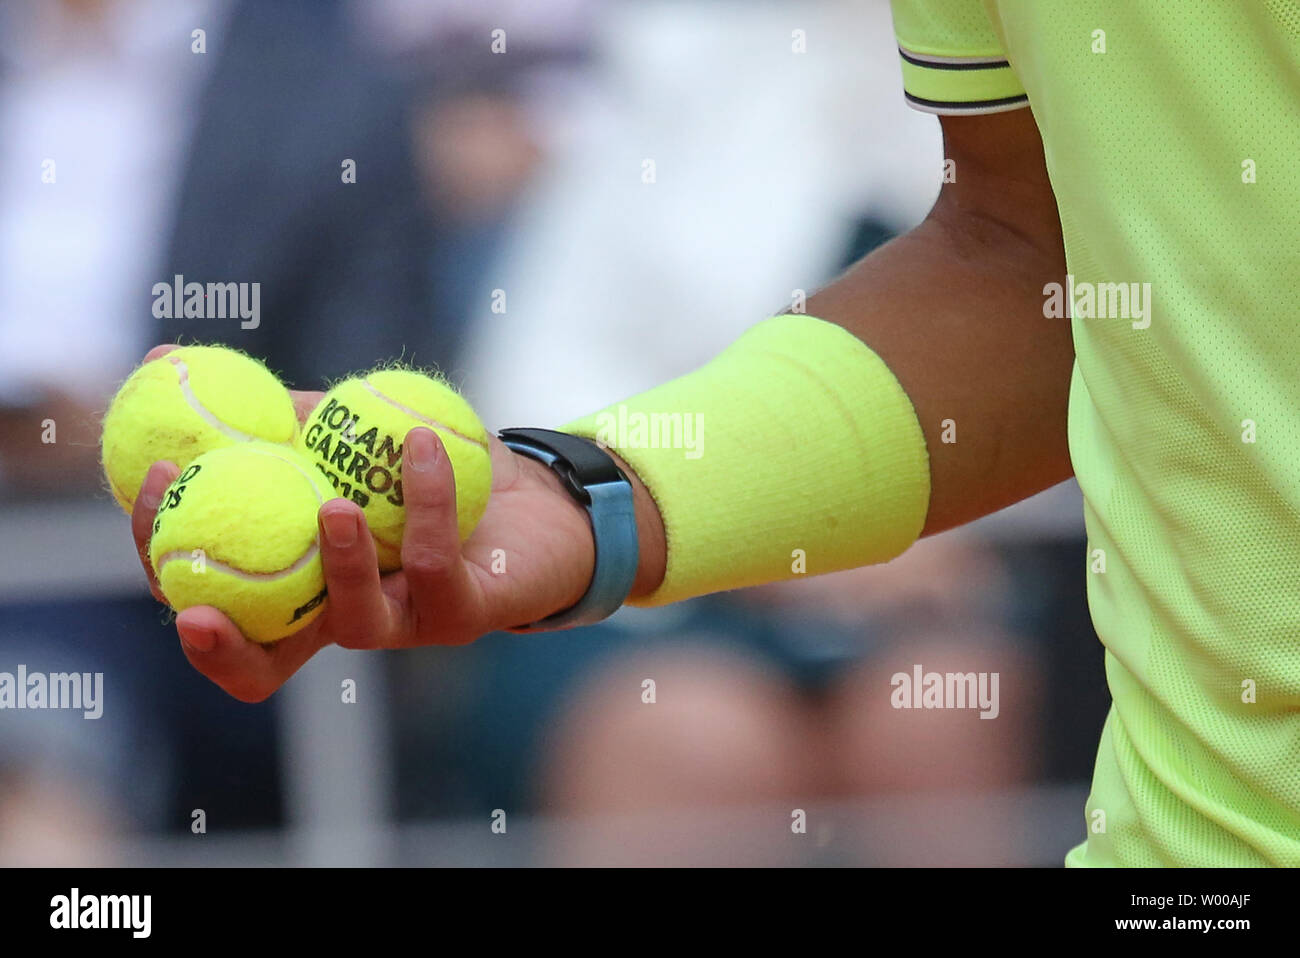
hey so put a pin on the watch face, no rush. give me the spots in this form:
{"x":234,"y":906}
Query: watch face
{"x":584,"y":461}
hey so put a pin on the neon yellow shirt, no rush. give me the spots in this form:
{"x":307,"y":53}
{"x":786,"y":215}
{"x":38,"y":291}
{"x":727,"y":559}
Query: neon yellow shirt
{"x":1172,"y":135}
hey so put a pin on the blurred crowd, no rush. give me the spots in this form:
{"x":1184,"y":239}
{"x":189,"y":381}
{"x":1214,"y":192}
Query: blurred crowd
{"x":558,"y":205}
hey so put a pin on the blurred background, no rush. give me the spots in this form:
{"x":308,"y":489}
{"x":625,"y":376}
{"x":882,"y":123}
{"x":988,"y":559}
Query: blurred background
{"x":559,"y":205}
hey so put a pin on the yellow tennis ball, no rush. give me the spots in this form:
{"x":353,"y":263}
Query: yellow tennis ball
{"x":355,"y":436}
{"x":237,"y":530}
{"x":185,"y":403}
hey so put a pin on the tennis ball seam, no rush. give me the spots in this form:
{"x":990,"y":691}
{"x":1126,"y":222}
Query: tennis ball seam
{"x":206,"y":414}
{"x":244,"y":574}
{"x":300,"y":563}
{"x":420,"y":417}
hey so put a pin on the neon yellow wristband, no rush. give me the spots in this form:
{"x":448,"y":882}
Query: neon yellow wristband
{"x":795,"y":451}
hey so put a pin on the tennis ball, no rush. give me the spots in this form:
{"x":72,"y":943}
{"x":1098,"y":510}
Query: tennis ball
{"x":355,"y":435}
{"x":181,"y":405}
{"x":237,"y":530}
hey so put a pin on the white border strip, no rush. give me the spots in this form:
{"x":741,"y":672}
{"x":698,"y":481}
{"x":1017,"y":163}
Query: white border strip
{"x":953,"y":61}
{"x":975,"y":109}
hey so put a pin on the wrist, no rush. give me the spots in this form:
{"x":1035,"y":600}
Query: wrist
{"x":576,"y":571}
{"x":653,"y":559}
{"x":591,"y":478}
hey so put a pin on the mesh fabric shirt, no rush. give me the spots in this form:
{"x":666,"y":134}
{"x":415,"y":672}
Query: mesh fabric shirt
{"x":1171,"y":130}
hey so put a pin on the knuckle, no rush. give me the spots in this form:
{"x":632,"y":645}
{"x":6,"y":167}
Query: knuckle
{"x":427,"y":561}
{"x":430,"y":499}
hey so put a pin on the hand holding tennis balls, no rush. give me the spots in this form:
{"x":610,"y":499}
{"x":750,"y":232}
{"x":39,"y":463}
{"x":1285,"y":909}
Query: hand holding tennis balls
{"x":531,"y":554}
{"x":237,"y":528}
{"x":446,"y":593}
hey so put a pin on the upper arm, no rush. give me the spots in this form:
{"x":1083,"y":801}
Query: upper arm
{"x":1000,"y":180}
{"x":954,"y":64}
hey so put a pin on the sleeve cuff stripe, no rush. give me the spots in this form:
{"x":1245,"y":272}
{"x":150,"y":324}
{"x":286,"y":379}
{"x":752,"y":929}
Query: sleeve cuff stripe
{"x":952,"y":63}
{"x":979,"y":84}
{"x":968,"y":106}
{"x":950,"y":108}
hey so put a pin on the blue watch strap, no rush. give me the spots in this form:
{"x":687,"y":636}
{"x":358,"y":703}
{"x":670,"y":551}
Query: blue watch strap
{"x":594,"y":479}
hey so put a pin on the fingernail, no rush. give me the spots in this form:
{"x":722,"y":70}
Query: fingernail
{"x":340,"y":529}
{"x":150,"y":499}
{"x":421,"y":451}
{"x":199,"y":640}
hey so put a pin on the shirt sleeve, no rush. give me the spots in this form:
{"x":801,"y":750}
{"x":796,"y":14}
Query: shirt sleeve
{"x":953,"y":60}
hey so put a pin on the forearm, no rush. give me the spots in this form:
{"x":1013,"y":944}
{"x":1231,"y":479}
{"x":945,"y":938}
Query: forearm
{"x":955,"y":308}
{"x":928,"y":391}
{"x":934,"y":304}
